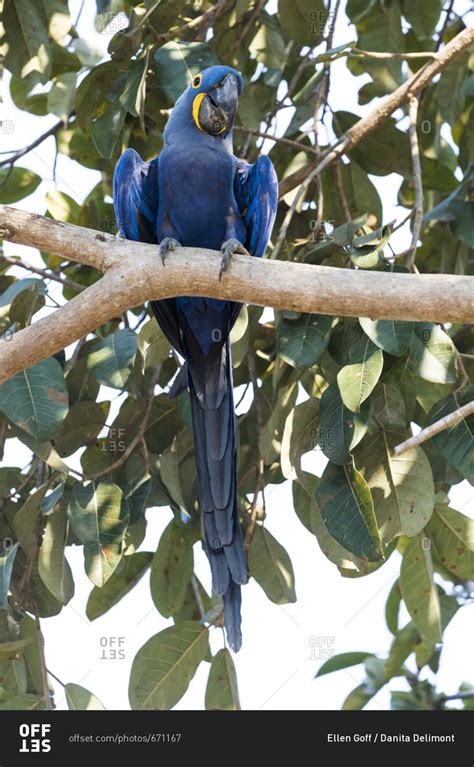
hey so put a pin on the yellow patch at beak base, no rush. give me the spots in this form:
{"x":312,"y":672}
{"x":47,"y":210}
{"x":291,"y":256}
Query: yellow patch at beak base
{"x":196,"y":106}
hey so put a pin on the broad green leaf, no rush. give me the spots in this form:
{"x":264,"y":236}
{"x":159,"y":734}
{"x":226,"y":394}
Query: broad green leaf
{"x":111,"y":359}
{"x":367,"y":249}
{"x":299,"y":436}
{"x":343,"y":660}
{"x":358,"y":698}
{"x":36,"y":399}
{"x":271,"y":567}
{"x":43,"y":450}
{"x":99,"y":517}
{"x":106,"y":129}
{"x":53,"y":566}
{"x":456,"y":444}
{"x":268,"y":45}
{"x":222,"y":693}
{"x":31,"y":654}
{"x":171,"y":570}
{"x":432,"y":355}
{"x":347,"y":511}
{"x":80,"y":699}
{"x":301,"y":341}
{"x":84,"y":421}
{"x":402,"y":646}
{"x":177,"y":62}
{"x":8,"y":297}
{"x":393,"y":337}
{"x":272,"y":433}
{"x":61,"y":96}
{"x":13,"y":650}
{"x":422,"y":15}
{"x":192,"y":609}
{"x":419,"y":590}
{"x":26,"y":519}
{"x":7,"y":558}
{"x":61,"y":206}
{"x":163,"y":668}
{"x":357,"y":380}
{"x":303,"y":21}
{"x":452,"y":535}
{"x":153,"y":344}
{"x":24,"y":702}
{"x":16,"y":185}
{"x":392,"y":607}
{"x":401,"y":485}
{"x":389,"y":405}
{"x":385,"y":150}
{"x":340,"y":429}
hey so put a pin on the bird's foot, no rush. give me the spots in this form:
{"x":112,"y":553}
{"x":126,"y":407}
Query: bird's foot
{"x":169,"y":243}
{"x":228,"y":248}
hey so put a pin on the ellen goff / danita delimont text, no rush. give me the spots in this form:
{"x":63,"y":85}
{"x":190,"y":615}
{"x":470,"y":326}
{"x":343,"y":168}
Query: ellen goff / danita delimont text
{"x":384,"y":737}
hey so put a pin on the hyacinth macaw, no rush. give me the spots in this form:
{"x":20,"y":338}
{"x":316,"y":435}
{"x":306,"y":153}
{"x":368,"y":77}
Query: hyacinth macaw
{"x":197,"y":194}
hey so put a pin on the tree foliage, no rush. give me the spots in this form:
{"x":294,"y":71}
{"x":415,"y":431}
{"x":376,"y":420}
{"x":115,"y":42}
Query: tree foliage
{"x":350,"y":388}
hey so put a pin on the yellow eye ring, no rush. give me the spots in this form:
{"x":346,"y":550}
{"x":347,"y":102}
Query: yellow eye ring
{"x":197,"y":81}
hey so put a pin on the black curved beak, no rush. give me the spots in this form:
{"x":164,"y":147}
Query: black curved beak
{"x":218,"y":108}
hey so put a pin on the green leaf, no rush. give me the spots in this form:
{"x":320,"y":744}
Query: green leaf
{"x":171,"y":570}
{"x":25,"y":702}
{"x":99,"y":517}
{"x":61,"y":96}
{"x":130,"y":570}
{"x":401,"y":485}
{"x":36,"y":399}
{"x":385,"y":150}
{"x":357,"y":380}
{"x":340,"y":429}
{"x":272,"y":432}
{"x":367,"y":249}
{"x":463,"y":225}
{"x":222,"y":693}
{"x":432,"y":355}
{"x":418,"y":589}
{"x":153,"y":344}
{"x":347,"y":511}
{"x":53,"y":566}
{"x":393,"y":337}
{"x":106,"y":129}
{"x":17,"y":184}
{"x":299,"y":436}
{"x":84,"y":421}
{"x":163,"y":668}
{"x":343,"y":660}
{"x":303,"y":21}
{"x":388,"y":405}
{"x":271,"y":567}
{"x":61,"y":206}
{"x":177,"y":62}
{"x":422,"y":15}
{"x":111,"y":359}
{"x":452,"y":536}
{"x":80,"y":699}
{"x":302,"y":341}
{"x":392,"y":607}
{"x":268,"y":45}
{"x":456,"y":444}
{"x":7,"y":558}
{"x":25,"y":521}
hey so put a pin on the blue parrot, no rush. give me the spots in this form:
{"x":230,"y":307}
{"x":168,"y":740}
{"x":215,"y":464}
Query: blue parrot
{"x":198,"y":194}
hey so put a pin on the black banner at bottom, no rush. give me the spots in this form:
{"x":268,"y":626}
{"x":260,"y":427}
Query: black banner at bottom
{"x":50,"y":738}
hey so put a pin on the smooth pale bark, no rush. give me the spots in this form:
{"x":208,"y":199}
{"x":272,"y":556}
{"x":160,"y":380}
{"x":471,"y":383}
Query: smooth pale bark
{"x":133,"y":274}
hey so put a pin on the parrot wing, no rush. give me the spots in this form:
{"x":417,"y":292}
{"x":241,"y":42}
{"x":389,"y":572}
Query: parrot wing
{"x":256,"y":194}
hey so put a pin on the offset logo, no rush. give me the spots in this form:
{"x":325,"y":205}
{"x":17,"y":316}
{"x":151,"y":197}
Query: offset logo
{"x":35,"y":738}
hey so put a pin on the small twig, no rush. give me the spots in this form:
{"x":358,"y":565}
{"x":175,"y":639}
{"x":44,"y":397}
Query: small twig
{"x":15,"y":261}
{"x":55,"y":677}
{"x":358,"y":53}
{"x":260,"y":480}
{"x":461,"y":695}
{"x":415,"y":158}
{"x":141,"y":429}
{"x":3,"y":436}
{"x":21,"y":152}
{"x":435,"y":428}
{"x":279,"y":139}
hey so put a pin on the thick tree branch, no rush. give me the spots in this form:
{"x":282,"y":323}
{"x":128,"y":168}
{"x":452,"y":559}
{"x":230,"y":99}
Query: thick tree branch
{"x":133,"y":274}
{"x":435,"y":428}
{"x":382,"y":110}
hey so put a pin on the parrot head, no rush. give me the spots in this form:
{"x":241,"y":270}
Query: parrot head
{"x":209,"y":103}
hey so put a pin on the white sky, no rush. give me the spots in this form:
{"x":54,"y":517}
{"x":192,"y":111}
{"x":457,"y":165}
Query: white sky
{"x":277,"y":663}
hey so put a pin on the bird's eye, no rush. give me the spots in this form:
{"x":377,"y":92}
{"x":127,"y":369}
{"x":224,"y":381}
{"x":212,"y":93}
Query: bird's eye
{"x":197,"y":81}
